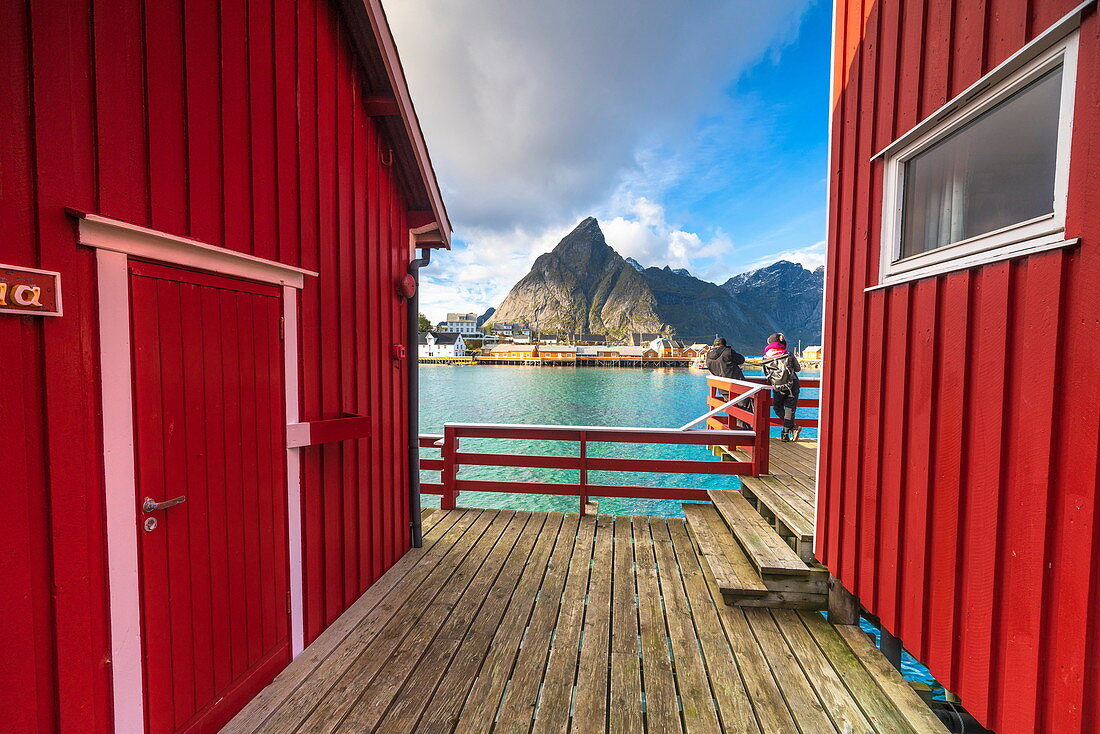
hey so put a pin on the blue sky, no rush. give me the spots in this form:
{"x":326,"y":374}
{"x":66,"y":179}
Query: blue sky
{"x":695,"y":132}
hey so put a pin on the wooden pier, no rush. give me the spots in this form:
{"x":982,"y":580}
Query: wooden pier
{"x":515,"y":621}
{"x":533,"y":621}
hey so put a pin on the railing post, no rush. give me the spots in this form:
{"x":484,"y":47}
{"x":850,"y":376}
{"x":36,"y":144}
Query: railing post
{"x":584,"y":471}
{"x":450,"y":471}
{"x":762,"y":425}
{"x":712,"y":394}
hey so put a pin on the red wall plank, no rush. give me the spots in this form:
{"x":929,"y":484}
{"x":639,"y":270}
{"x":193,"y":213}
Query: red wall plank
{"x":165,"y":104}
{"x":67,"y":109}
{"x":941,"y":616}
{"x":1026,"y":496}
{"x":261,"y":111}
{"x":27,"y":690}
{"x":983,"y":483}
{"x":974,"y":540}
{"x":374,"y":298}
{"x":1072,"y":675}
{"x":202,"y":62}
{"x":921,"y":379}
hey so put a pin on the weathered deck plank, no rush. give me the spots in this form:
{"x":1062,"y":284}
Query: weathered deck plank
{"x":445,"y":620}
{"x":441,"y":669}
{"x":763,"y":546}
{"x":486,"y":655}
{"x":881,"y":714}
{"x":519,"y":622}
{"x":317,"y":685}
{"x":662,"y":708}
{"x":436,"y":525}
{"x":889,"y":681}
{"x":590,"y":707}
{"x":722,"y":671}
{"x":561,"y":670}
{"x":802,"y":702}
{"x":717,"y":546}
{"x":517,"y":710}
{"x":768,"y":704}
{"x":832,"y":693}
{"x":626,"y":664}
{"x":691,"y":676}
{"x":419,"y":617}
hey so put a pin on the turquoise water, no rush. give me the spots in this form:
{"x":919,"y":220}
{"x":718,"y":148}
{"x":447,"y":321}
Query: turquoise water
{"x":588,"y":396}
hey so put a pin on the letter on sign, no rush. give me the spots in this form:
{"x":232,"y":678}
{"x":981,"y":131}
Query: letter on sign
{"x":29,"y":292}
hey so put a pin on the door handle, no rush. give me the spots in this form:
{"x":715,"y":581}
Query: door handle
{"x":151,"y":505}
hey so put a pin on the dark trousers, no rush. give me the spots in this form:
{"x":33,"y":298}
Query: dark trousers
{"x":785,"y":405}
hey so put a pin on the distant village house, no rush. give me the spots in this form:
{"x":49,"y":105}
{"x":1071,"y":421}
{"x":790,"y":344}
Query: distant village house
{"x":460,"y":323}
{"x":558,"y":352}
{"x":512,"y":351}
{"x":431,"y":345}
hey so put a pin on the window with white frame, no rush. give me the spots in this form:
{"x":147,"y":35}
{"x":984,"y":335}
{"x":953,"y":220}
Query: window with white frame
{"x":985,"y":178}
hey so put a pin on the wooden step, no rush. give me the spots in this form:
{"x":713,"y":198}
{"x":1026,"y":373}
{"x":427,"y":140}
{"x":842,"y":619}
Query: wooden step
{"x":736,"y":577}
{"x":731,"y":569}
{"x":785,"y":506}
{"x":766,"y":550}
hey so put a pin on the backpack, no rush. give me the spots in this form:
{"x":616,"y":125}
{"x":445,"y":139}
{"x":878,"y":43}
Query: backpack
{"x":779,"y":372}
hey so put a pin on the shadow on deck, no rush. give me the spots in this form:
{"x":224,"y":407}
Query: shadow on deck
{"x":532,"y":621}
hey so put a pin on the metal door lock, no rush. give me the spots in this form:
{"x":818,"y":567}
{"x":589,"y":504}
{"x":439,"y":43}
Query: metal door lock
{"x":150,"y":524}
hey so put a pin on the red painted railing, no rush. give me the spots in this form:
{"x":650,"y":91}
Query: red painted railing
{"x":719,"y":387}
{"x":721,"y":430}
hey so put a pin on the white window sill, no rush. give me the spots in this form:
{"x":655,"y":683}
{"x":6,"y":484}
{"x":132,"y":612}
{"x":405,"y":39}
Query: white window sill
{"x":1020,"y":249}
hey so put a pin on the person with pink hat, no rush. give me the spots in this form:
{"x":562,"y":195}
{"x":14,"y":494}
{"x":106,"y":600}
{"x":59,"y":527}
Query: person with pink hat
{"x":782,"y":368}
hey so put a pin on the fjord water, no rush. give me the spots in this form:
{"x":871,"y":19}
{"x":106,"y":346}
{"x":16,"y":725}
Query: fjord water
{"x":586,"y":396}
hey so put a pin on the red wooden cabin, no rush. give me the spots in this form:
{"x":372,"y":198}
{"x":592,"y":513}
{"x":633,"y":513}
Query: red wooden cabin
{"x":958,"y":468}
{"x":232,"y":192}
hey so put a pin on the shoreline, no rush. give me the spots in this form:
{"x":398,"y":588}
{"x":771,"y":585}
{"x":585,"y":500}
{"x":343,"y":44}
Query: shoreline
{"x":636,"y":362}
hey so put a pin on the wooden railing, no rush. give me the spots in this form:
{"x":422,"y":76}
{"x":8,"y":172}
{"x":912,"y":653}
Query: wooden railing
{"x":720,"y":430}
{"x":719,"y":388}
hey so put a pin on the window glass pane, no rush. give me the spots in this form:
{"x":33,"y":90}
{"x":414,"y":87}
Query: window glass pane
{"x":995,"y":172}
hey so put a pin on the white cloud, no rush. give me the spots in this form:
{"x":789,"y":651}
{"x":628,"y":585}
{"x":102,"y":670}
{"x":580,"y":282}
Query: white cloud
{"x":538,"y":114}
{"x":479,"y":272}
{"x":641,"y":232}
{"x":534,"y":111}
{"x":810,"y":257}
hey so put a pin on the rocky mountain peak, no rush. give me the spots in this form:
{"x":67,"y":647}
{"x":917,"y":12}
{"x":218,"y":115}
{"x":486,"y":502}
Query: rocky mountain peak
{"x":581,"y":286}
{"x":788,"y":296}
{"x":584,"y":243}
{"x":584,"y":285}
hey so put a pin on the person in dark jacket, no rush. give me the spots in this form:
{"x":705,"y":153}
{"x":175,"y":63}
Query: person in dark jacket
{"x":782,"y":368}
{"x":725,"y":361}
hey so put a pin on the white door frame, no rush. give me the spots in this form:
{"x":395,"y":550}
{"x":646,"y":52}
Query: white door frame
{"x":115,"y":242}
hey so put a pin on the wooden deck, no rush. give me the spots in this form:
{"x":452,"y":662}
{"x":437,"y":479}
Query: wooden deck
{"x":531,"y":621}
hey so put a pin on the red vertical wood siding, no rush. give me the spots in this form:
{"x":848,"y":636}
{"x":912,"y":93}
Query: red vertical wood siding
{"x":963,"y":514}
{"x":237,"y":123}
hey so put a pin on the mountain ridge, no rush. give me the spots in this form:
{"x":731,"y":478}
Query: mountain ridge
{"x":584,"y":286}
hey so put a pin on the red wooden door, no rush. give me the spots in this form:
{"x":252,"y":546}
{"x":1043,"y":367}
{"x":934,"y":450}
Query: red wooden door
{"x":209,"y":426}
